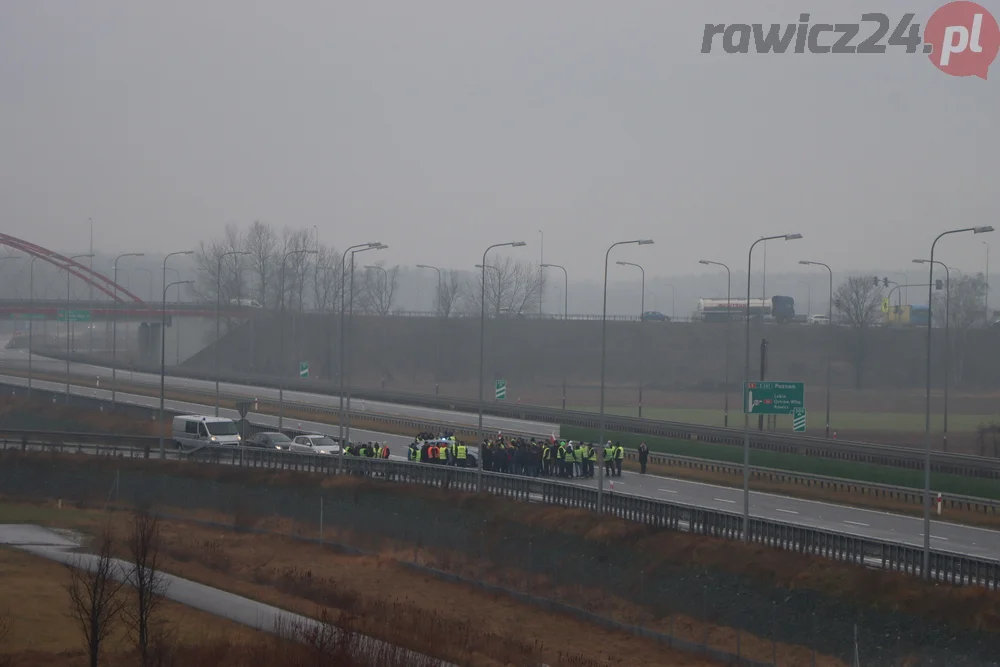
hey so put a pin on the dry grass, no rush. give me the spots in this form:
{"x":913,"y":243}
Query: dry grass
{"x":302,"y":577}
{"x":33,"y":588}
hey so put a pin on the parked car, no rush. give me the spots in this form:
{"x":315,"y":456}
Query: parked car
{"x":654,"y":316}
{"x":270,"y":440}
{"x":316,"y":444}
{"x":819,"y":319}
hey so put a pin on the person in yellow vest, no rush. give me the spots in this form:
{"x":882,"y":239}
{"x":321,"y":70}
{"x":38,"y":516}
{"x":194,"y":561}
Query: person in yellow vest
{"x":609,"y":459}
{"x":546,"y":461}
{"x":461,"y":454}
{"x":591,"y":460}
{"x":619,"y":457}
{"x":561,"y":459}
{"x":578,"y":460}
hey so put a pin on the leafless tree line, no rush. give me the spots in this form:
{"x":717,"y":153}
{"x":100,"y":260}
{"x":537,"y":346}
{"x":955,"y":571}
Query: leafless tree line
{"x":103,"y":596}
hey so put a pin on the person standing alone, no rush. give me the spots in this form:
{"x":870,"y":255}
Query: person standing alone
{"x":643,"y":456}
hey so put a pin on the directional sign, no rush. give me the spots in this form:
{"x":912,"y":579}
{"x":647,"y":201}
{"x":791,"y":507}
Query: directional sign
{"x":501,"y":390}
{"x":773,"y":398}
{"x":303,"y":369}
{"x":799,"y":420}
{"x":74,"y":315}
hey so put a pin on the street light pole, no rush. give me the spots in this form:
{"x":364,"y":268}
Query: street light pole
{"x":163,"y":354}
{"x":350,"y":327}
{"x":673,"y":314}
{"x":281,"y":336}
{"x":114,"y":328}
{"x":343,"y":314}
{"x":68,"y":300}
{"x":541,"y":278}
{"x":729,"y":326}
{"x":927,"y":416}
{"x":746,"y":380}
{"x":218,"y":329}
{"x":31,"y":300}
{"x":642,"y":329}
{"x":440,"y":314}
{"x":604,"y":331}
{"x":482,"y":357}
{"x":986,"y":300}
{"x":947,"y":342}
{"x":829,"y":343}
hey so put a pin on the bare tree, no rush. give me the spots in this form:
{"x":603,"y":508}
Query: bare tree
{"x":965,"y":311}
{"x":858,"y":303}
{"x":448,"y":293}
{"x":326,"y":279}
{"x":95,"y":595}
{"x":378,"y":287}
{"x":261,"y":242}
{"x":148,"y":584}
{"x":298,"y":266}
{"x":512,"y":288}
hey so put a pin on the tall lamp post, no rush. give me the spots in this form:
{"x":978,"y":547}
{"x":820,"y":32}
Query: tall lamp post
{"x":350,"y":326}
{"x":343,"y":315}
{"x":482,"y":345}
{"x":281,"y":335}
{"x":642,"y":329}
{"x":947,"y":342}
{"x":729,"y":326}
{"x":541,"y":276}
{"x":218,"y":329}
{"x":31,"y":300}
{"x":163,"y":322}
{"x":565,"y":314}
{"x":927,"y":416}
{"x":114,"y":327}
{"x":746,"y":380}
{"x":829,"y":343}
{"x":440,"y":314}
{"x":986,"y":300}
{"x":68,"y":325}
{"x":604,"y":330}
{"x":163,"y":356}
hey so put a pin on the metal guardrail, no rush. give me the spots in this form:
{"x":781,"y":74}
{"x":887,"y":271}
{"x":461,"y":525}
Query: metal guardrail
{"x":842,"y":450}
{"x":944,"y":566}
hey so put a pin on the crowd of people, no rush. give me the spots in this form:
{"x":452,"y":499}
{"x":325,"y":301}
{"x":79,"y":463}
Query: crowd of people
{"x":368,"y":450}
{"x":521,"y":456}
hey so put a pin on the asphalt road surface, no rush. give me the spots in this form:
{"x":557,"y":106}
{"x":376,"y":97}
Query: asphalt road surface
{"x":19,"y":359}
{"x":872,"y":524}
{"x":59,"y":547}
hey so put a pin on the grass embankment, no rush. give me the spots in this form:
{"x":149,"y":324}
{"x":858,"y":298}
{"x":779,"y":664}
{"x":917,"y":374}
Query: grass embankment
{"x":377,"y":595}
{"x":848,"y":470}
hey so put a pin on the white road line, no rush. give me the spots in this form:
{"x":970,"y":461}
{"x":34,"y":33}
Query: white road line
{"x":938,"y":537}
{"x":856,"y":523}
{"x":723,"y":500}
{"x":778,"y":509}
{"x":667,"y":490}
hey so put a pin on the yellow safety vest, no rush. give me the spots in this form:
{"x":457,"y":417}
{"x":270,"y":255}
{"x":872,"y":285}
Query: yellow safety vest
{"x":619,"y":453}
{"x":461,"y":452}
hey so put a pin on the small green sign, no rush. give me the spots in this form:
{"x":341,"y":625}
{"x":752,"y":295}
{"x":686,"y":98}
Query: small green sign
{"x":773,"y":398}
{"x":799,"y":420}
{"x":303,"y":369}
{"x":74,"y":316}
{"x":501,"y":392}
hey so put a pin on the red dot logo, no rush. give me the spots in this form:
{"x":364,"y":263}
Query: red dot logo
{"x":962,"y":39}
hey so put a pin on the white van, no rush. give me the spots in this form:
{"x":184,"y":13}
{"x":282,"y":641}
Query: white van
{"x":198,"y":430}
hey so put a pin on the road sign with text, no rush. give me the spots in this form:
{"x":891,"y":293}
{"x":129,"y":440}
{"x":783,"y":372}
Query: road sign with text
{"x":303,"y":369}
{"x":799,"y":420}
{"x":74,"y":315}
{"x":773,"y":398}
{"x":501,"y":392}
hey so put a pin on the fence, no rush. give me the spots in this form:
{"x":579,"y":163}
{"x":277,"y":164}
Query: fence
{"x":462,"y":541}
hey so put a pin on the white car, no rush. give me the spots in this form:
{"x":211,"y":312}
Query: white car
{"x":315,"y":444}
{"x":819,"y":319}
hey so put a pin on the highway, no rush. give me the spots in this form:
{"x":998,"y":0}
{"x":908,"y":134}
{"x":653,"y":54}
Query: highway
{"x":59,"y":547}
{"x":873,"y":524}
{"x":19,"y":359}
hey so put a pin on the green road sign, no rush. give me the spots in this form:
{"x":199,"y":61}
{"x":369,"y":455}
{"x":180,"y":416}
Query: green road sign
{"x":773,"y":398}
{"x":303,"y":369}
{"x":501,"y":390}
{"x":74,"y":316}
{"x":799,"y":420}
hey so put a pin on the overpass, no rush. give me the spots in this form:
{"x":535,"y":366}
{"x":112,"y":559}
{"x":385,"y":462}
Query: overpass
{"x":89,"y":311}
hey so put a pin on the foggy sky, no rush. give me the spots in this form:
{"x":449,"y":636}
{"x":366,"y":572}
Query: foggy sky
{"x":440,"y":127}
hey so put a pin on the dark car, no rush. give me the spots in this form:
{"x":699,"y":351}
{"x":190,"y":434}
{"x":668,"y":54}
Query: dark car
{"x":270,"y":440}
{"x":654,"y":316}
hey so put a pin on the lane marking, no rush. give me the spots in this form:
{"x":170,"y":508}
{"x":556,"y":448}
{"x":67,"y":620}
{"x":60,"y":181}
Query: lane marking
{"x":856,"y":523}
{"x":667,"y":490}
{"x":723,"y":500}
{"x":778,"y":509}
{"x":938,"y":537}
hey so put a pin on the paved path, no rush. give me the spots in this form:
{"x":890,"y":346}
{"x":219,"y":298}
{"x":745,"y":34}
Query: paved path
{"x":59,"y":546}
